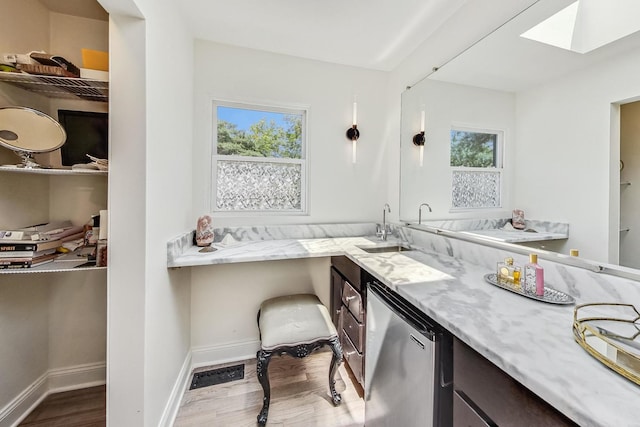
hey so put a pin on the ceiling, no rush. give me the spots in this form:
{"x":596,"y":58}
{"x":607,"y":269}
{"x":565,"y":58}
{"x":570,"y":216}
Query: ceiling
{"x":375,"y":34}
{"x":505,"y":61}
{"x":82,"y":8}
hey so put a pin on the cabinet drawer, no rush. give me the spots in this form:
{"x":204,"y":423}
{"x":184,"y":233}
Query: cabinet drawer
{"x":353,"y":358}
{"x":466,"y":414}
{"x":348,"y":269}
{"x":500,"y":397}
{"x":353,"y":300}
{"x":354,"y":329}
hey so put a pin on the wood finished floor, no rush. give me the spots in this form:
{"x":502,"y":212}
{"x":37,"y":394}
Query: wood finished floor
{"x":78,"y":408}
{"x":299,"y":397}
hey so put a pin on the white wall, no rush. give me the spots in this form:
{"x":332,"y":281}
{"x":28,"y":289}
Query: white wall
{"x":150,"y":202}
{"x":70,"y":34}
{"x":339,"y":191}
{"x":24,"y":336}
{"x":564,"y":156}
{"x":168,"y":161}
{"x":630,"y":194}
{"x":225,"y":300}
{"x":77,"y":319}
{"x":127,"y":230}
{"x":446,"y":105}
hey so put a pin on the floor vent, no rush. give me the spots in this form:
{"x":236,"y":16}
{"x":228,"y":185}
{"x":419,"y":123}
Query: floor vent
{"x":217,"y":376}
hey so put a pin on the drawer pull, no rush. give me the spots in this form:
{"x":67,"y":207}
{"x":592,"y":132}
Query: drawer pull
{"x":350,"y":353}
{"x":351,"y":297}
{"x":417,"y":341}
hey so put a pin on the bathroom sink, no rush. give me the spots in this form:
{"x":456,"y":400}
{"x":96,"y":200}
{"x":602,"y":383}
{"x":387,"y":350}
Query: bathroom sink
{"x":382,"y":249}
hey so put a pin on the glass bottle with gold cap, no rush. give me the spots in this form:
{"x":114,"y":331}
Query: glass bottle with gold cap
{"x":508,"y":273}
{"x":533,"y":277}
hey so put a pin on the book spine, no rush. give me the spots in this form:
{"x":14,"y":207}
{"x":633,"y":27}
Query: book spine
{"x":23,"y":264}
{"x":9,"y":261}
{"x":16,"y":254}
{"x":12,"y":247}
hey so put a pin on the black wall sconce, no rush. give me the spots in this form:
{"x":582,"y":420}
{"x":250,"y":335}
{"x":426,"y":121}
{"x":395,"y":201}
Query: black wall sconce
{"x":353,"y":133}
{"x":419,"y":138}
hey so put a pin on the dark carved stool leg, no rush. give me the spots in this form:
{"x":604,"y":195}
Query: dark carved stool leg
{"x":264,"y":357}
{"x":336,"y":360}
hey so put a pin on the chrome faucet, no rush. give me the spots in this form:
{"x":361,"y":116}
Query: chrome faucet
{"x":420,"y":212}
{"x":383,"y":232}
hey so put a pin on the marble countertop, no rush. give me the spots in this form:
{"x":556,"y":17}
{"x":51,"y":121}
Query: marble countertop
{"x":516,"y":236}
{"x":530,"y":340}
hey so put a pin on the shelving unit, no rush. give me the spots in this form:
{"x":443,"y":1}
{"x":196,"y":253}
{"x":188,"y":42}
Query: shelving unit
{"x":15,"y":169}
{"x":59,"y":87}
{"x":68,"y":262}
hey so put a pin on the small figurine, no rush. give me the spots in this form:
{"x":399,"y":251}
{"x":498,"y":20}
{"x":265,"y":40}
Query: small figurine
{"x":204,"y":233}
{"x":517,"y":219}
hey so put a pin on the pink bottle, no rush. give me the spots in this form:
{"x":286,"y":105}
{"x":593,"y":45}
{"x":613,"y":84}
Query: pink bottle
{"x":533,"y":277}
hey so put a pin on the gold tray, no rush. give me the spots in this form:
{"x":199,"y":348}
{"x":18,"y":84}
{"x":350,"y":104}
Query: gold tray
{"x":551,"y":296}
{"x":610,"y":332}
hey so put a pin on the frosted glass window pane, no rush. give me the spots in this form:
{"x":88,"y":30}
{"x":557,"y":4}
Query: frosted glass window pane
{"x":472,"y":189}
{"x":258,"y":186}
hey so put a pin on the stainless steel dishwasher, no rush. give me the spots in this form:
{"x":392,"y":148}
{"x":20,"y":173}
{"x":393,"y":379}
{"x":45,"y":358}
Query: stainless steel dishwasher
{"x":409,"y":364}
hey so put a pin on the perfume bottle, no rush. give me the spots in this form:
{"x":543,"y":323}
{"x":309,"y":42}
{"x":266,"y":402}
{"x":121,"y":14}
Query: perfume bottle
{"x":533,"y":277}
{"x":508,"y":273}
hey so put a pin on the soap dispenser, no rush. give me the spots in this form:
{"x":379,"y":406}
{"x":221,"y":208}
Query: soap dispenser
{"x":533,"y":277}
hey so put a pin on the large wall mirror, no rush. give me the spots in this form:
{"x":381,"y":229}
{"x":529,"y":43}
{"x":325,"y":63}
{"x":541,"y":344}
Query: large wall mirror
{"x":566,"y":105}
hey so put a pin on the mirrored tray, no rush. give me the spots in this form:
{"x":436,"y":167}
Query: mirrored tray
{"x":610,"y":332}
{"x":551,"y":296}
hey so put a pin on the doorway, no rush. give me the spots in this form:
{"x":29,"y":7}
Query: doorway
{"x":629,"y":245}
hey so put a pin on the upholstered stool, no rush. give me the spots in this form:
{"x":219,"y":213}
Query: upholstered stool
{"x":297,"y":325}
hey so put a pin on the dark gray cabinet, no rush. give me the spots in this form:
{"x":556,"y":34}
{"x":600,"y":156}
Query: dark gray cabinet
{"x":484,"y":395}
{"x":348,"y":304}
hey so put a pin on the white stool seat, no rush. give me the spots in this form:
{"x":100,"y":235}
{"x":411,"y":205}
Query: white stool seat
{"x":296,"y":325}
{"x":293,"y":320}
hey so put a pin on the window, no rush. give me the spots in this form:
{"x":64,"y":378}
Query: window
{"x":476,"y":162}
{"x":259,"y":159}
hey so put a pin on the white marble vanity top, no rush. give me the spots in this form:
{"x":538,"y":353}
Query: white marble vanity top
{"x":516,"y":236}
{"x":530,"y":340}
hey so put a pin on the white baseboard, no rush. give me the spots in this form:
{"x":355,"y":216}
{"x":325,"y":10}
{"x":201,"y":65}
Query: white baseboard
{"x":54,"y":380}
{"x":173,"y":404}
{"x":216,"y":355}
{"x":76,"y":377}
{"x":16,"y":410}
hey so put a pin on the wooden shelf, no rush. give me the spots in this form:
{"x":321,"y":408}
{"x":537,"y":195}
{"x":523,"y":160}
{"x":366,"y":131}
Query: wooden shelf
{"x":59,"y":87}
{"x":14,"y":169}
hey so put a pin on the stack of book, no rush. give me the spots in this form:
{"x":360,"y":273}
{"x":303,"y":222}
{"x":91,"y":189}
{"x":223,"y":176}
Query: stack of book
{"x":35,"y":245}
{"x":27,"y":254}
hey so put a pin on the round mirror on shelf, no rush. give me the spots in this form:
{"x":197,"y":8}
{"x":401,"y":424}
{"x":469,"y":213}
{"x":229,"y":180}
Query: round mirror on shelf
{"x":27,"y":131}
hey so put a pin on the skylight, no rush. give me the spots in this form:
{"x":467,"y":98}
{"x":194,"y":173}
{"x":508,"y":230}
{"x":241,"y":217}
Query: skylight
{"x":586,"y":25}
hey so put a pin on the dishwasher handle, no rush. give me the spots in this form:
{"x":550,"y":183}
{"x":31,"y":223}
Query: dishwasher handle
{"x":407,"y":311}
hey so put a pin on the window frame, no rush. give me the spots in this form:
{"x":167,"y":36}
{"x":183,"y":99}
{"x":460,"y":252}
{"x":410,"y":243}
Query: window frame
{"x":302,"y":161}
{"x":500,"y":165}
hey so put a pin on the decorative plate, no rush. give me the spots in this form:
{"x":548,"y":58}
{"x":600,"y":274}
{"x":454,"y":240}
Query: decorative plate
{"x":551,"y":296}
